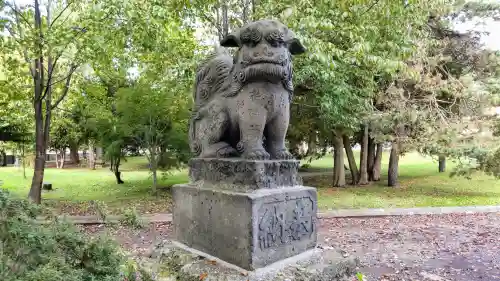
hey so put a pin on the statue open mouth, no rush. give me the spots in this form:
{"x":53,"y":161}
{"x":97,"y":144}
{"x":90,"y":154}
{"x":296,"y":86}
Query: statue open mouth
{"x":280,"y":60}
{"x":270,"y":71}
{"x":266,"y":61}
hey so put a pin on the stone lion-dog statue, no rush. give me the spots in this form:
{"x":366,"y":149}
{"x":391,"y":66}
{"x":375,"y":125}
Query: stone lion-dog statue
{"x":242,"y":103}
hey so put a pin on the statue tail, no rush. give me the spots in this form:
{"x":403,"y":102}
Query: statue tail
{"x":211,"y":77}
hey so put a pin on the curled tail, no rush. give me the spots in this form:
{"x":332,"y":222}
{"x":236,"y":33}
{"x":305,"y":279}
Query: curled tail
{"x":211,"y":77}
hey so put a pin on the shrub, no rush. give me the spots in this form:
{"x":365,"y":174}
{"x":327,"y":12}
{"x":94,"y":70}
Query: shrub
{"x":131,"y":218}
{"x":56,"y":251}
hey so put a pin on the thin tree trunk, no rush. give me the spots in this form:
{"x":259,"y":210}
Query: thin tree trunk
{"x":338,"y":162}
{"x":254,"y":8}
{"x":63,"y":158}
{"x":371,"y":157}
{"x":57,"y":159}
{"x":225,"y":19}
{"x":91,"y":156}
{"x":350,"y":158}
{"x":41,"y":132}
{"x":40,"y":154}
{"x":393,"y":166}
{"x":4,"y":158}
{"x":442,"y":163}
{"x":246,"y":10}
{"x":377,"y":165}
{"x":363,"y":162}
{"x":23,"y":159}
{"x":116,"y":170}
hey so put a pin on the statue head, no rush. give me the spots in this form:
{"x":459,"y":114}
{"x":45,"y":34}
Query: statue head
{"x":265,"y":50}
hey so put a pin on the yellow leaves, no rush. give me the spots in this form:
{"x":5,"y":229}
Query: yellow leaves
{"x":211,"y":262}
{"x":203,"y":276}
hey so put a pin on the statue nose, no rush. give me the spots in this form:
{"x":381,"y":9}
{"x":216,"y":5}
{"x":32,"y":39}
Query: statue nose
{"x":266,"y":51}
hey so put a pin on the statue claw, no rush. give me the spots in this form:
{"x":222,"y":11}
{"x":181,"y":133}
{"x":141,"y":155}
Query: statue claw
{"x":283,"y":155}
{"x":257,"y":154}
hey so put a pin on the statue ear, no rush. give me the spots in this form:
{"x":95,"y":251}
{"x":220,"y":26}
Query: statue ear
{"x":231,"y":40}
{"x":295,"y":47}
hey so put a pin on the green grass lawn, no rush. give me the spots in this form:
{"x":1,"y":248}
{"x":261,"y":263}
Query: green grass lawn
{"x":421,"y":185}
{"x":75,"y":189}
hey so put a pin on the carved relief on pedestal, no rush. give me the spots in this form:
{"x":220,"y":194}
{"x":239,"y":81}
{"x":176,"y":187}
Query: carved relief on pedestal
{"x":285,"y":222}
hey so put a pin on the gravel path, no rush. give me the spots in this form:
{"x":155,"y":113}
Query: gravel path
{"x":405,"y":248}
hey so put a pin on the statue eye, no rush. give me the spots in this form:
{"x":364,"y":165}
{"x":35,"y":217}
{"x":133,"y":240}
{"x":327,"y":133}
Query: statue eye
{"x":245,"y":36}
{"x":251,"y":36}
{"x":275,"y":38}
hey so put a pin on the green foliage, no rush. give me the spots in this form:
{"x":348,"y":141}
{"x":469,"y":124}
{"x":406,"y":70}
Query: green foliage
{"x":157,"y":120}
{"x":132,"y":218}
{"x":57,"y":251}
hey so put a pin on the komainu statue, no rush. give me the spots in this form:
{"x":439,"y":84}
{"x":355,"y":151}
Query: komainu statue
{"x":242,"y":103}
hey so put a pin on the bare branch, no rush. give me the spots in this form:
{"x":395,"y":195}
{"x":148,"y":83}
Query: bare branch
{"x":66,"y":87}
{"x":60,"y":14}
{"x":369,"y":8}
{"x":50,"y":75}
{"x":18,"y":13}
{"x":25,"y":50}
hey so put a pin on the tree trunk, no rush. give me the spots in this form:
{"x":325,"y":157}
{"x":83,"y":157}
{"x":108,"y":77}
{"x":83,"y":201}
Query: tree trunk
{"x":338,"y":162}
{"x":73,"y":154}
{"x":23,"y":159}
{"x":225,"y":19}
{"x":350,"y":158}
{"x":442,"y":163}
{"x":41,"y":132}
{"x":116,"y":170}
{"x":153,"y":166}
{"x":91,"y":156}
{"x":363,"y":162}
{"x":4,"y":158}
{"x":57,"y":159}
{"x":371,"y":157}
{"x":63,"y":158}
{"x":40,"y":154}
{"x":393,"y":166}
{"x":377,"y":165}
{"x":98,"y":153}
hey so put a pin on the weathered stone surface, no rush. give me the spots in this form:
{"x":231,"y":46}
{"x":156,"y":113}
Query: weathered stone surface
{"x":242,"y":104}
{"x":250,"y":230}
{"x":244,"y":175}
{"x":170,"y":261}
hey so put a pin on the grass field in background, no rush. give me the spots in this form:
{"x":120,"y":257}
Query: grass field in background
{"x":421,"y":185}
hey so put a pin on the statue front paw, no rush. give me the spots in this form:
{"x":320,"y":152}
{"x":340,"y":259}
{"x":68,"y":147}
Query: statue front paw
{"x":257,"y":154}
{"x":226,"y":152}
{"x":283,"y":155}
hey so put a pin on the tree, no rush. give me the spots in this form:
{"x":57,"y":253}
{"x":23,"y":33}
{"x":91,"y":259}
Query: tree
{"x":440,"y":92}
{"x":48,"y":46}
{"x":346,"y":57}
{"x":154,"y":48}
{"x":156,"y":120}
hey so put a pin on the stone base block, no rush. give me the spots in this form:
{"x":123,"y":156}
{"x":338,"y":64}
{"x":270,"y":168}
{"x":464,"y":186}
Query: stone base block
{"x":244,"y":175}
{"x":249,"y":230}
{"x":170,"y":261}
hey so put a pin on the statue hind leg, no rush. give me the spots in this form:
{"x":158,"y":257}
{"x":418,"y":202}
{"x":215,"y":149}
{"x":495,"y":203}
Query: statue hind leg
{"x":210,"y":134}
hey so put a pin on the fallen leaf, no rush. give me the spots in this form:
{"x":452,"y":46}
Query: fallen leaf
{"x":203,"y":276}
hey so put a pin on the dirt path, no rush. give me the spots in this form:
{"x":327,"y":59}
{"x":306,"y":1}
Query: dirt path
{"x":405,"y":248}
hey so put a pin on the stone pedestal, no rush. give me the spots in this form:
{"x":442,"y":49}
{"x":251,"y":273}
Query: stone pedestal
{"x":247,"y":213}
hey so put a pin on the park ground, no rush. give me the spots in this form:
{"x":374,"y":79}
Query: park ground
{"x":77,"y":191}
{"x":453,"y":247}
